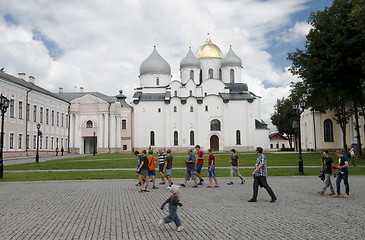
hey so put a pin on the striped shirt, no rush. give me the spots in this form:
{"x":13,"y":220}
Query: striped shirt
{"x":262,"y":172}
{"x":161,"y":158}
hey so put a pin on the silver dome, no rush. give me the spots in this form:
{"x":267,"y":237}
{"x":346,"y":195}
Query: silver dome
{"x":155,"y":64}
{"x":190,"y":61}
{"x":231,"y":59}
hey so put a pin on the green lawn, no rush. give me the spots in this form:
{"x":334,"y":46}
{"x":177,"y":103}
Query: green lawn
{"x":111,"y":161}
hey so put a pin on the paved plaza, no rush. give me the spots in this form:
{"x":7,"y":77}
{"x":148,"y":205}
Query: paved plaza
{"x":114,"y":209}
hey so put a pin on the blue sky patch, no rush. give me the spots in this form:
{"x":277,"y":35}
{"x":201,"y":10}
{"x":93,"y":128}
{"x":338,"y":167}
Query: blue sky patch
{"x":10,"y":20}
{"x":54,"y":50}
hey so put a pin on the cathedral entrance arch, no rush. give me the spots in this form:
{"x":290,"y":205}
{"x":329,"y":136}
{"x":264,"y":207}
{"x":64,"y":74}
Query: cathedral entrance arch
{"x":214,"y":143}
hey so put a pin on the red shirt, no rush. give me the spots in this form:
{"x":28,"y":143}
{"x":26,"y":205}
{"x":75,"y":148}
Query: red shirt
{"x":211,"y":159}
{"x":200,"y":161}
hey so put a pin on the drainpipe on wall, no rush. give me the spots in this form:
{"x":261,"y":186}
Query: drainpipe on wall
{"x":69,"y":128}
{"x":26,"y":122}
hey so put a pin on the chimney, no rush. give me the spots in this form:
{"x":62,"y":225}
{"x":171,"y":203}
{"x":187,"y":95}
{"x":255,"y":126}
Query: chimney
{"x":81,"y":89}
{"x":21,"y":76}
{"x":31,"y":79}
{"x":60,"y":89}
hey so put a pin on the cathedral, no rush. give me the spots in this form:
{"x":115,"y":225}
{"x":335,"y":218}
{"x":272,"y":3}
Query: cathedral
{"x":209,"y":105}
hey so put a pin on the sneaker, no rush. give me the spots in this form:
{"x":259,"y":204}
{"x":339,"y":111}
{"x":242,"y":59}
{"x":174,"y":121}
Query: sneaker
{"x":202,"y":180}
{"x":183,"y":185}
{"x":243,"y":181}
{"x":138,"y":184}
{"x":230,"y":183}
{"x":151,"y":180}
{"x":199,"y":183}
{"x":336,"y":195}
{"x":180,"y":228}
{"x":346,"y":196}
{"x":160,"y":222}
{"x":320,"y":193}
{"x":273,"y":199}
{"x":195,"y":186}
{"x":252,"y":200}
{"x":168,"y":188}
{"x":154,"y":187}
{"x":162,"y":183}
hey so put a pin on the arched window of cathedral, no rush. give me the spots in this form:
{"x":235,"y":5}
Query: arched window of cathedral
{"x":201,"y":77}
{"x":238,"y":137}
{"x":152,"y":138}
{"x":176,"y":138}
{"x":175,"y":109}
{"x":175,"y":93}
{"x":231,"y":76}
{"x":159,"y":110}
{"x":191,"y":93}
{"x":210,"y":73}
{"x":206,"y":108}
{"x":191,"y":109}
{"x":220,"y":74}
{"x":328,"y":130}
{"x":89,"y":124}
{"x":157,"y":81}
{"x":192,"y":74}
{"x":215,"y":125}
{"x":192,"y":138}
{"x":205,"y":94}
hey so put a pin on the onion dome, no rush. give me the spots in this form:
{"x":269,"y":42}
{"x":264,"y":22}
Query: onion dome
{"x":155,"y":64}
{"x":190,"y":60}
{"x":209,"y":50}
{"x":231,"y":59}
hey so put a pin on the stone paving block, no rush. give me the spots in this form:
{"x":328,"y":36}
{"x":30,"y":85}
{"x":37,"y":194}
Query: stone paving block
{"x":115,"y":209}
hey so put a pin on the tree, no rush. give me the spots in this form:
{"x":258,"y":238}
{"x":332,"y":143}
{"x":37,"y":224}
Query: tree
{"x":283,"y":118}
{"x":329,"y":66}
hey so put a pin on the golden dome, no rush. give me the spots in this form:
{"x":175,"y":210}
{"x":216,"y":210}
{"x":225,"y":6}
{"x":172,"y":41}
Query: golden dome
{"x":209,"y":50}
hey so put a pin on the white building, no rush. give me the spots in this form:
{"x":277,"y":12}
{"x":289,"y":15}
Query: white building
{"x":209,"y":105}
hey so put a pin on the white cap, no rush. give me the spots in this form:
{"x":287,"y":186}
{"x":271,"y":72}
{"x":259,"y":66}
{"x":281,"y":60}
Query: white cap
{"x":174,"y":188}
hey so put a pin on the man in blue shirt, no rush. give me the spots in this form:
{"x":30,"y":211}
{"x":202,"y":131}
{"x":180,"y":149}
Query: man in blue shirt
{"x":343,"y":173}
{"x":260,"y":174}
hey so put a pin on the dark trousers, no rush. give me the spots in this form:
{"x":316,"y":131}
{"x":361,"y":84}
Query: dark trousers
{"x":261,"y":181}
{"x":345,"y":178}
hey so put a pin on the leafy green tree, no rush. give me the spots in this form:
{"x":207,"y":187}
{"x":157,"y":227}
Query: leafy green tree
{"x":330,"y":65}
{"x":283,"y":118}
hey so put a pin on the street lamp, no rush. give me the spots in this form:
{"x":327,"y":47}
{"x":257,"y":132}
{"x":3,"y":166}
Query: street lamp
{"x":39,"y":133}
{"x":298,"y":110}
{"x":94,"y":152}
{"x":4,"y":104}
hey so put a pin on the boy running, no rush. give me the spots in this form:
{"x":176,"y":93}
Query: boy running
{"x":173,"y":202}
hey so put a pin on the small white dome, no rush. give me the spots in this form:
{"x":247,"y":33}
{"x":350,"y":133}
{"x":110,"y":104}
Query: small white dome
{"x":190,"y":61}
{"x":155,"y":64}
{"x":231,"y":59}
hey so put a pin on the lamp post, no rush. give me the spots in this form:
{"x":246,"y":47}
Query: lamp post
{"x":298,"y":110}
{"x":4,"y":104}
{"x":39,"y":133}
{"x":94,"y":152}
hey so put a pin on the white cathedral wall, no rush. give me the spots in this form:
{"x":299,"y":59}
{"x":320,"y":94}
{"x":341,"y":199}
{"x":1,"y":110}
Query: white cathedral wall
{"x":185,"y":75}
{"x":207,"y":63}
{"x":149,"y":80}
{"x":226,"y":75}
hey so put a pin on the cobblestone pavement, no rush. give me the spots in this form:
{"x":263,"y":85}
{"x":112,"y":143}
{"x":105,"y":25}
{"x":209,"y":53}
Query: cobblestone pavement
{"x":114,"y":209}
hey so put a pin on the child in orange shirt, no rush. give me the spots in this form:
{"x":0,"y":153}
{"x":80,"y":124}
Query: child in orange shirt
{"x":151,"y":167}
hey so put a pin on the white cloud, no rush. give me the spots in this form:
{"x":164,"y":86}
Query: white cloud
{"x":104,"y":42}
{"x":296,"y":33}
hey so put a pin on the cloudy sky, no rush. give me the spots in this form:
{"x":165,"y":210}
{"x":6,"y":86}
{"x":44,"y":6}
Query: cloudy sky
{"x":100,"y":44}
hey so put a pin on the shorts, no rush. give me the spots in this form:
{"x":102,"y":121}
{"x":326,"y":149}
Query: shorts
{"x":144,"y":173}
{"x":161,"y":166}
{"x":190,"y":174}
{"x":168,"y":172}
{"x":138,"y":172}
{"x":211,"y":174}
{"x":199,"y":168}
{"x":151,"y":172}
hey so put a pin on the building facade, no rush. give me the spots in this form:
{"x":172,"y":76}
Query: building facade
{"x":30,"y":105}
{"x":209,"y":105}
{"x":320,"y":131}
